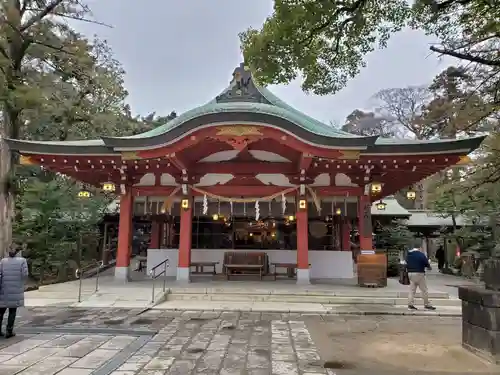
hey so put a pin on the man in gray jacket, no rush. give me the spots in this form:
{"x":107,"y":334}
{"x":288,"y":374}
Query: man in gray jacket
{"x":13,"y":273}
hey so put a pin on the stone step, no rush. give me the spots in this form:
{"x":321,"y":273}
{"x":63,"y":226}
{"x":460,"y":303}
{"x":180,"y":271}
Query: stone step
{"x":359,"y":292}
{"x":303,"y":308}
{"x":337,"y":300}
{"x":59,"y":294}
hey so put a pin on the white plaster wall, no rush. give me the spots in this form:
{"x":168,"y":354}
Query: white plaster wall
{"x":156,"y":256}
{"x":324,"y":264}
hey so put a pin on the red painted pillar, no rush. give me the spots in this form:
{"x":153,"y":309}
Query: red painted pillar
{"x":185,"y":242}
{"x":154,"y":242}
{"x":371,"y":267}
{"x":346,"y":235}
{"x":365,"y":223}
{"x":303,"y":276}
{"x":125,"y":228}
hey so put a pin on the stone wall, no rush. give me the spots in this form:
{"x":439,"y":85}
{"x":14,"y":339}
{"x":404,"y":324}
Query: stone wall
{"x":481,"y":322}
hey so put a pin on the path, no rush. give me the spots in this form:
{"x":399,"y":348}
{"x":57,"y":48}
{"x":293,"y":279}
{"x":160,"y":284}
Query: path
{"x":116,"y":341}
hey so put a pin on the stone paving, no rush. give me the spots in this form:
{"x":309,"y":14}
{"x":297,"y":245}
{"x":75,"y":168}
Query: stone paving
{"x":120,"y":342}
{"x":117,"y":341}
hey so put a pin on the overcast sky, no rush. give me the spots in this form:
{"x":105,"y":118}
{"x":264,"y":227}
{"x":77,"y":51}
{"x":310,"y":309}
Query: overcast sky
{"x":179,"y":54}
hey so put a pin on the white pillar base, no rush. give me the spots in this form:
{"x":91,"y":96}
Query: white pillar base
{"x":183,"y":274}
{"x":122,"y":273}
{"x":303,"y":276}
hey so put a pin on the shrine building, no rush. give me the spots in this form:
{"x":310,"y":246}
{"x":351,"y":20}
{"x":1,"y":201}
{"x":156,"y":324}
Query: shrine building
{"x":247,"y":172}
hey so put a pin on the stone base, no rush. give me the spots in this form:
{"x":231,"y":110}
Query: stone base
{"x":183,"y":274}
{"x":481,"y":322}
{"x":122,"y":274}
{"x":303,"y":276}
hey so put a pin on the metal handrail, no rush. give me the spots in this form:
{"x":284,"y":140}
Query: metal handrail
{"x":154,"y":276}
{"x":81,"y":271}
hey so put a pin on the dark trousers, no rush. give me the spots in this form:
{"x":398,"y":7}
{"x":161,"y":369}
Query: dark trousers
{"x":440,"y":264}
{"x":11,"y":318}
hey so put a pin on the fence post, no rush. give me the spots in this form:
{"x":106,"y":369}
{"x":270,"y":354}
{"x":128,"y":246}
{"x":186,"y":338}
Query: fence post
{"x":78,"y":274}
{"x":153,"y":288}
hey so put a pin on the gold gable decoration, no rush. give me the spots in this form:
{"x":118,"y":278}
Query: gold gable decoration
{"x":349,"y":155}
{"x":130,"y":155}
{"x":464,"y":160}
{"x":26,"y":160}
{"x":238,"y":131}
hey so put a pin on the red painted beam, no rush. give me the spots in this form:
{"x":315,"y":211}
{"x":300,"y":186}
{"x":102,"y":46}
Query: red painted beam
{"x":331,"y":191}
{"x":178,"y":161}
{"x":243,"y":168}
{"x":246,"y":191}
{"x":271,"y":145}
{"x":152,"y":191}
{"x":210,"y":146}
{"x":214,"y":132}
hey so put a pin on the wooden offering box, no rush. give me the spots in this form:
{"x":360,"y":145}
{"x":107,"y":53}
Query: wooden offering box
{"x":372,"y":270}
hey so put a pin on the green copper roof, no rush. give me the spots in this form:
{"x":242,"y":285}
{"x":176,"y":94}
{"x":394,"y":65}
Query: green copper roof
{"x":295,"y":117}
{"x":245,"y":102}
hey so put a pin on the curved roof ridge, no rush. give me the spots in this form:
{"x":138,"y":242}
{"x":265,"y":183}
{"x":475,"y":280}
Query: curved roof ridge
{"x":275,"y":100}
{"x":294,"y":117}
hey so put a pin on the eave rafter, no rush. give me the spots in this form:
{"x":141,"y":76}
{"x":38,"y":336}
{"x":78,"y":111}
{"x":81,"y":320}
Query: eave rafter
{"x":107,"y":164}
{"x":179,"y":162}
{"x":394,"y":171}
{"x":304,"y":162}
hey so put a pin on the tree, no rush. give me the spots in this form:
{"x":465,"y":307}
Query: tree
{"x":455,"y":107}
{"x":404,"y":107}
{"x":51,"y":222}
{"x":54,"y":85}
{"x":151,"y":121}
{"x":326,"y":42}
{"x":395,"y":236}
{"x":368,"y":124}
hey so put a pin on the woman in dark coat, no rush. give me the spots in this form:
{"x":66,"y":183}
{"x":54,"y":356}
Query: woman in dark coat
{"x":13,"y":273}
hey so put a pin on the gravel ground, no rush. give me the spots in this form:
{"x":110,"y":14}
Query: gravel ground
{"x":394,"y":345}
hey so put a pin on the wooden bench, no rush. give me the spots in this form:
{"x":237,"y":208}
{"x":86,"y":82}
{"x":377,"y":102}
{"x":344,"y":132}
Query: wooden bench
{"x":245,"y":263}
{"x":199,"y":268}
{"x":291,"y":269}
{"x":244,"y":269}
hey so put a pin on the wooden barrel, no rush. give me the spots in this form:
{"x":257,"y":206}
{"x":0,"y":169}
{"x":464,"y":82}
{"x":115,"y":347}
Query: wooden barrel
{"x":372,"y":270}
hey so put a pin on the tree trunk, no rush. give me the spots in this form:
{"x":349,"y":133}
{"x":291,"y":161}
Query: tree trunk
{"x":6,"y":198}
{"x":15,"y":50}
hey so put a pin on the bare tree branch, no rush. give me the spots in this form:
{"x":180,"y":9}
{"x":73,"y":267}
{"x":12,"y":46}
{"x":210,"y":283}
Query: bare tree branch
{"x":39,"y":16}
{"x":466,"y":56}
{"x":354,"y":8}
